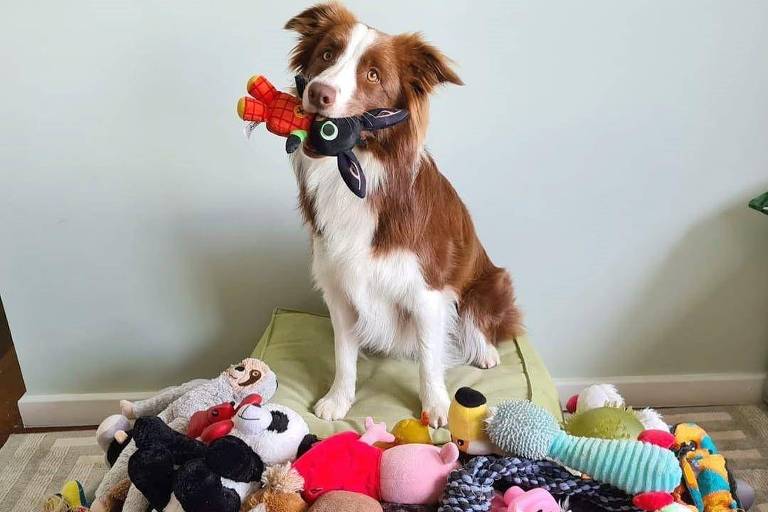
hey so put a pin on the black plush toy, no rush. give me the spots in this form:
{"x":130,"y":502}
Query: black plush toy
{"x":337,"y":136}
{"x":168,"y":463}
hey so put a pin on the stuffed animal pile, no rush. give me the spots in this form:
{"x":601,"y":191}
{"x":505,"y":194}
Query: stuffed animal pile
{"x":200,"y":443}
{"x":219,"y":445}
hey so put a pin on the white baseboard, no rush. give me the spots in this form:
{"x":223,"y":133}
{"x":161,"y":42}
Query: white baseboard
{"x":654,"y":390}
{"x":72,"y":410}
{"x":678,"y":390}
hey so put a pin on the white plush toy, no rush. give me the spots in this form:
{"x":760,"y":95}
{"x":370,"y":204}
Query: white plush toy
{"x":606,"y":395}
{"x":279,"y":441}
{"x":176,"y":405}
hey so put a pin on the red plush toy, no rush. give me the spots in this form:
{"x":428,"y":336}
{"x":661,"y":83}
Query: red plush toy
{"x":203,"y":419}
{"x":216,"y":422}
{"x":282,"y":112}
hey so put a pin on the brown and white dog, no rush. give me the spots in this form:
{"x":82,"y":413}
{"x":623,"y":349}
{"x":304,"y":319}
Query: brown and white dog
{"x":402,"y":271}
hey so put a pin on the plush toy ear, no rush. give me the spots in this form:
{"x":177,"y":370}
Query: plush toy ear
{"x":301,"y":84}
{"x":311,"y":25}
{"x":352,"y":173}
{"x":427,"y":67}
{"x":379,"y":118}
{"x":449,"y":453}
{"x":232,"y":458}
{"x":253,"y":398}
{"x":512,"y":493}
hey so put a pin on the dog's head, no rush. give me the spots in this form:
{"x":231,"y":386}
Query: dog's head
{"x":351,"y":68}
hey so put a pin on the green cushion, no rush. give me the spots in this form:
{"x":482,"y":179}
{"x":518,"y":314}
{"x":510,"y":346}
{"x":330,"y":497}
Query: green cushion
{"x":299,"y":348}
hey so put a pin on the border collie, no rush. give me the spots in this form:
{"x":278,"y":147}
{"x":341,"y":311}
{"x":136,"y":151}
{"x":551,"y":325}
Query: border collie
{"x":402,"y":270}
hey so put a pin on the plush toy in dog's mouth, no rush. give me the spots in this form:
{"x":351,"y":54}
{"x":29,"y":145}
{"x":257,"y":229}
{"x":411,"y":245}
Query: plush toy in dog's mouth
{"x":337,"y":136}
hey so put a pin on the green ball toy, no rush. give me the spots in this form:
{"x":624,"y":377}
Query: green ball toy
{"x":605,"y":423}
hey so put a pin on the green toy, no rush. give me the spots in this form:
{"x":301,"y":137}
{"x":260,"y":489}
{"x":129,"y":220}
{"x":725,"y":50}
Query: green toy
{"x":605,"y":423}
{"x":760,"y":203}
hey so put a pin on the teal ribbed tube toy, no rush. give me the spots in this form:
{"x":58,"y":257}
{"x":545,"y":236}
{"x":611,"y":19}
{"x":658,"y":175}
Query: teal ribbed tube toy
{"x":522,"y":428}
{"x":632,"y":466}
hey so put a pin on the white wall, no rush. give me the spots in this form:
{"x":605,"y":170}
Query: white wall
{"x":606,"y":149}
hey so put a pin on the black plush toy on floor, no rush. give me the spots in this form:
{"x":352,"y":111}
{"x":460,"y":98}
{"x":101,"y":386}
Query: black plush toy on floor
{"x":197,"y":483}
{"x":337,"y":136}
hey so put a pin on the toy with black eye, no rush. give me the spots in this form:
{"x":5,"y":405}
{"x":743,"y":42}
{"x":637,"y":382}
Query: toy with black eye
{"x":338,"y":136}
{"x":284,"y":115}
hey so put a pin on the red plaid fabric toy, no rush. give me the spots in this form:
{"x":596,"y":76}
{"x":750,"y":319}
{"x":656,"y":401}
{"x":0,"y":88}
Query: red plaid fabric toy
{"x":281,"y":111}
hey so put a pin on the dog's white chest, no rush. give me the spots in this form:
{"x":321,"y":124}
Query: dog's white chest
{"x":379,"y":288}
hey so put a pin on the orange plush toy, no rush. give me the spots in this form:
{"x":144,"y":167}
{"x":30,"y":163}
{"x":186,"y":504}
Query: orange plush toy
{"x":281,"y":111}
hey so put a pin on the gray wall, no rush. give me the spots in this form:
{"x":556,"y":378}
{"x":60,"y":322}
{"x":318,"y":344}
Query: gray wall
{"x":606,"y":150}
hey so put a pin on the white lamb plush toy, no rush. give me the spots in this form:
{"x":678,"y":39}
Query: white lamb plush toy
{"x":175,"y":406}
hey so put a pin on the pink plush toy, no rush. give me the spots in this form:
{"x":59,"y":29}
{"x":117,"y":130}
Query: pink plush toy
{"x":518,"y":500}
{"x":415,"y":474}
{"x":409,"y":474}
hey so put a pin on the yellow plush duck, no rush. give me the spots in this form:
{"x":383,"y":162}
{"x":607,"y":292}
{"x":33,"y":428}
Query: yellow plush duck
{"x":466,"y":421}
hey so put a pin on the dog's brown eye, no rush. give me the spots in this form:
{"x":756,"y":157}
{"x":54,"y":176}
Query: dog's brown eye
{"x":327,"y":55}
{"x":373,"y":75}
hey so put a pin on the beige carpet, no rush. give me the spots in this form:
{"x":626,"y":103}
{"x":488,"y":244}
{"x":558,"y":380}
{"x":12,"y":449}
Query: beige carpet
{"x":33,"y":466}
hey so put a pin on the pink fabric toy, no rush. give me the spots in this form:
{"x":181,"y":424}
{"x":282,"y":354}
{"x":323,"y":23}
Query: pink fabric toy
{"x":415,"y":474}
{"x":518,"y":500}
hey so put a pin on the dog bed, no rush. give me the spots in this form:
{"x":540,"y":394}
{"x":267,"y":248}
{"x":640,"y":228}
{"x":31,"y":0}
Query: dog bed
{"x":299,"y":348}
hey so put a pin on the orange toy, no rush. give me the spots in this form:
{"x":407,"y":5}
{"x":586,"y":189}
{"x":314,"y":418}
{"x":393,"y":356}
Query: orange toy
{"x":281,"y":111}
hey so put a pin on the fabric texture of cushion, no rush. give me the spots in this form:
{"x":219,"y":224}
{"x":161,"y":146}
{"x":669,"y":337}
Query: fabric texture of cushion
{"x":299,"y":348}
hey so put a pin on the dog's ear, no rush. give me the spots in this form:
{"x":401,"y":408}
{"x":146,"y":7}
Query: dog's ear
{"x":311,"y":25}
{"x":426,"y":67}
{"x":318,"y":18}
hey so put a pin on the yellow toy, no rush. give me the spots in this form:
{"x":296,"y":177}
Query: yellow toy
{"x":70,"y":499}
{"x":707,"y":482}
{"x":412,"y":431}
{"x":466,"y":421}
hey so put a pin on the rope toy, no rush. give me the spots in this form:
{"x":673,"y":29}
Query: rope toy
{"x":470,"y":488}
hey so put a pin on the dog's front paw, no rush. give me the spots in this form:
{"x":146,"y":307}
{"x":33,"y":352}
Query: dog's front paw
{"x":332,"y":407}
{"x":435,"y":406}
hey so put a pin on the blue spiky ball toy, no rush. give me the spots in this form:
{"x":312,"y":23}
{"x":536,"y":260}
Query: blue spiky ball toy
{"x":522,"y":428}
